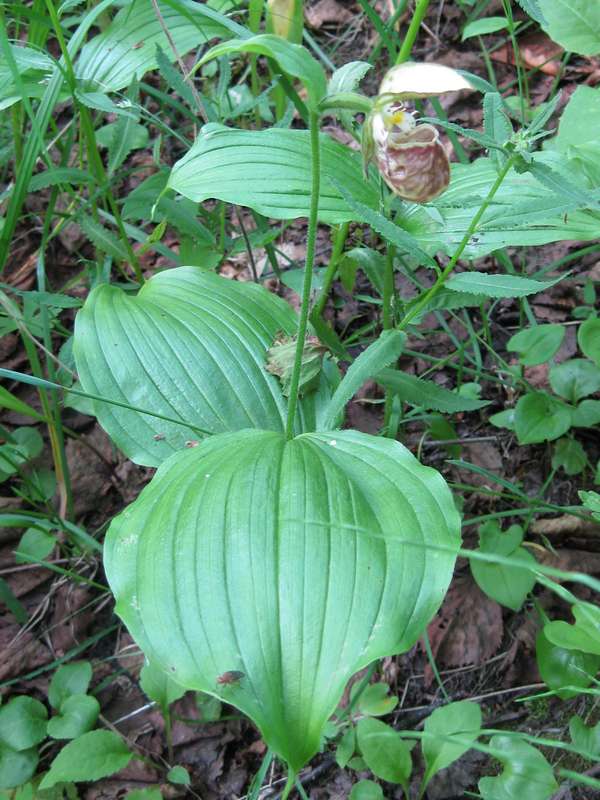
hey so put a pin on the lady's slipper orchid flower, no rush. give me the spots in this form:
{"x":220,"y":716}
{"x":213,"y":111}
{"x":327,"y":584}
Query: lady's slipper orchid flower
{"x":409,"y":156}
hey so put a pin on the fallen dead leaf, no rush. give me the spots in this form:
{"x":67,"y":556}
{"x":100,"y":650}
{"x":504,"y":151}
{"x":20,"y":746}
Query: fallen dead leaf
{"x":327,"y":12}
{"x":20,"y":652}
{"x":537,"y":51}
{"x":467,"y":630}
{"x":565,"y":524}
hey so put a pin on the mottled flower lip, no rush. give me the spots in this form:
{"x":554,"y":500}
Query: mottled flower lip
{"x":413,"y":80}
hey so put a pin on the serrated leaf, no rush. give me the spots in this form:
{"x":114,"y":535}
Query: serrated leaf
{"x":497,"y":285}
{"x":102,"y":238}
{"x":368,"y":364}
{"x":393,"y":233}
{"x":293,"y":59}
{"x":426,"y":394}
{"x":192,"y":346}
{"x":56,"y":175}
{"x":347,"y":77}
{"x":269,"y":171}
{"x":281,"y":535}
{"x":386,"y":754}
{"x":88,"y":758}
{"x":496,"y":123}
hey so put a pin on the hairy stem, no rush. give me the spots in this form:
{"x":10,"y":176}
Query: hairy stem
{"x":430,"y":293}
{"x":338,"y":246}
{"x":308,"y":269}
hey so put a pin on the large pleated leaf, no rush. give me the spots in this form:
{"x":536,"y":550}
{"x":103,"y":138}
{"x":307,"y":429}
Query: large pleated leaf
{"x":295,"y":563}
{"x":522,"y":213}
{"x":190,"y":346}
{"x":269,"y":171}
{"x":127,"y":48}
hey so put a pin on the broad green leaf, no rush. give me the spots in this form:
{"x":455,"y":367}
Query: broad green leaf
{"x":522,"y":212}
{"x":376,"y":700}
{"x":570,"y":455}
{"x":426,"y":394}
{"x":507,"y":585}
{"x":127,"y":48}
{"x":23,"y":723}
{"x":526,"y":772}
{"x":78,"y":715}
{"x":539,"y":417}
{"x":538,"y":344}
{"x":366,"y":790}
{"x":497,"y":285}
{"x":532,"y":7}
{"x":579,"y":121}
{"x":178,"y":775}
{"x":346,"y":747}
{"x":560,"y":667}
{"x":269,"y":171}
{"x":8,"y":400}
{"x":587,"y":414}
{"x":584,"y":634}
{"x":16,"y":767}
{"x":159,"y":686}
{"x":191,"y":346}
{"x":573,"y":24}
{"x":144,"y":794}
{"x":368,"y":364}
{"x":69,"y":679}
{"x":285,"y":18}
{"x":504,"y":419}
{"x":88,"y":758}
{"x":492,"y":539}
{"x":386,"y":754}
{"x":480,"y":27}
{"x":575,"y":379}
{"x":586,"y":739}
{"x":293,"y":59}
{"x":36,"y":544}
{"x":449,"y":732}
{"x":295,"y":563}
{"x":588,"y":339}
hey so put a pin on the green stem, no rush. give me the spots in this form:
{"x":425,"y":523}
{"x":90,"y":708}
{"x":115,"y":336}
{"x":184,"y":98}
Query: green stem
{"x":430,"y":293}
{"x":387,"y":323}
{"x":289,"y":784}
{"x":308,"y":269}
{"x":411,"y":34}
{"x":338,"y":246}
